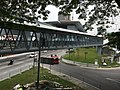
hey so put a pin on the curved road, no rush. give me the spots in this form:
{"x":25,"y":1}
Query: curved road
{"x":103,"y":79}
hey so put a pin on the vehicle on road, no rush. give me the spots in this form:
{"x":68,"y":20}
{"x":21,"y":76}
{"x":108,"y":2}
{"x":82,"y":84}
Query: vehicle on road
{"x":55,"y":59}
{"x":50,"y":60}
{"x":33,"y":55}
{"x":11,"y":62}
{"x":45,"y":51}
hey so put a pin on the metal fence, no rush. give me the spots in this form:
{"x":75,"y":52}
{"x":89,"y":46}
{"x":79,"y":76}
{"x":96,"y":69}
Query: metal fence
{"x":15,"y":71}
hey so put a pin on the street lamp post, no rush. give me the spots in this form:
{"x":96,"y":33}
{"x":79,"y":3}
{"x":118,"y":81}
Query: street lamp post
{"x":34,"y":62}
{"x":39,"y":60}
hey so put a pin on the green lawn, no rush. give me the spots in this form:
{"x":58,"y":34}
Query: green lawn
{"x":29,"y":77}
{"x":86,"y":55}
{"x":89,"y":55}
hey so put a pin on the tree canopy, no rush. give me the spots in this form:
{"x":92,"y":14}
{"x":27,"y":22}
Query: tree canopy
{"x":31,"y":10}
{"x":98,"y":12}
{"x":114,"y":39}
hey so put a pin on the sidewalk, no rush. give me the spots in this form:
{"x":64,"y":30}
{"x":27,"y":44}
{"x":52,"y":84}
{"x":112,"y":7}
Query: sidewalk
{"x":85,"y":65}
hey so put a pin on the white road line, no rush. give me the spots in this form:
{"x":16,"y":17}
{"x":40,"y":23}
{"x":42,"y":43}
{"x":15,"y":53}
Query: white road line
{"x":113,"y":80}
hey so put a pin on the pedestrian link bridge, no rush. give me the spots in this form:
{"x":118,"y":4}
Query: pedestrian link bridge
{"x":19,"y":38}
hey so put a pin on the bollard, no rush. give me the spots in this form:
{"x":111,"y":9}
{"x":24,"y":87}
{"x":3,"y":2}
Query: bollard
{"x":9,"y":75}
{"x":20,"y":70}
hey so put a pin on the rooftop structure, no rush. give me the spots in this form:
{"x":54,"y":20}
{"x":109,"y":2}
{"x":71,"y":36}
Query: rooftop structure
{"x":71,"y":25}
{"x":66,"y":23}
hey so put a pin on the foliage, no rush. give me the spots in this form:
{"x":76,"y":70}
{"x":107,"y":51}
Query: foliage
{"x":93,"y":12}
{"x":23,"y":10}
{"x":31,"y":10}
{"x":114,"y":39}
{"x":109,"y":64}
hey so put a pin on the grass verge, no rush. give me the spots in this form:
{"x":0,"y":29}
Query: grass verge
{"x":89,"y":55}
{"x":31,"y":76}
{"x":85,"y":55}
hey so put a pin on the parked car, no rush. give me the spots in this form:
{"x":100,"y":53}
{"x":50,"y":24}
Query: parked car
{"x":33,"y":55}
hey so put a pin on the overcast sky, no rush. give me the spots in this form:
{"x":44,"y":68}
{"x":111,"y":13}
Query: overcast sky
{"x":53,"y":16}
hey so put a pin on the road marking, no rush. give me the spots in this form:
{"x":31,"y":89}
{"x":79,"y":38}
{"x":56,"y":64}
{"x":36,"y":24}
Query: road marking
{"x":113,"y":80}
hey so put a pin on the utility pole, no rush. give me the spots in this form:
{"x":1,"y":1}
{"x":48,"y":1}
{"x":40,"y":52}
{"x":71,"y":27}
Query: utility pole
{"x":39,"y":60}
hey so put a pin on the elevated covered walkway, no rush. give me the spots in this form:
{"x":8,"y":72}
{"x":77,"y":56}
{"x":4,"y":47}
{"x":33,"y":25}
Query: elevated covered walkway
{"x":19,"y":38}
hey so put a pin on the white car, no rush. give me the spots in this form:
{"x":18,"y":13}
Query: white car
{"x":45,"y":51}
{"x":33,"y":55}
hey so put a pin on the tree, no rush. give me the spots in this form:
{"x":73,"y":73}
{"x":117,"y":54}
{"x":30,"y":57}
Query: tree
{"x":23,"y":10}
{"x":114,"y":39}
{"x":32,"y":10}
{"x":96,"y":12}
{"x":102,"y":31}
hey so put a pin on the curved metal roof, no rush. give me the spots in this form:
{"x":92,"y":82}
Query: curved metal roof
{"x":62,"y":24}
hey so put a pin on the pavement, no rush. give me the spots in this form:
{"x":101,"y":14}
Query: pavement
{"x":85,"y":65}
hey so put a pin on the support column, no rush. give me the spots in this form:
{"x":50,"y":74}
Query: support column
{"x":99,"y":50}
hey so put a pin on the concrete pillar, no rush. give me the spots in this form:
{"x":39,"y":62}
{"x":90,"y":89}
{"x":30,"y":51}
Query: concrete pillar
{"x":99,"y":50}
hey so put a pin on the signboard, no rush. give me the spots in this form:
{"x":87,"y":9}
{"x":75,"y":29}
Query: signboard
{"x":46,"y":60}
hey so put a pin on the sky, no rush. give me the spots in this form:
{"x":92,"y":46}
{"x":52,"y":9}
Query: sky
{"x":53,"y":16}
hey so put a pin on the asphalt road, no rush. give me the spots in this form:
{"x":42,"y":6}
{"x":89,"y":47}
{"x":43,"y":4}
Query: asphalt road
{"x":21,"y":63}
{"x":103,"y":79}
